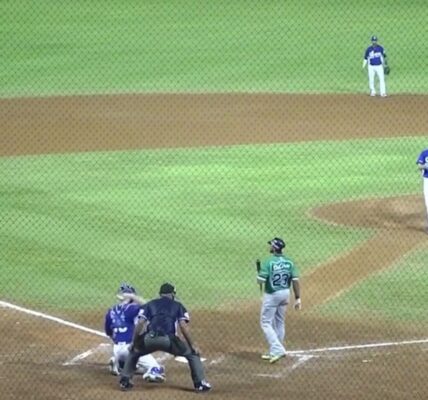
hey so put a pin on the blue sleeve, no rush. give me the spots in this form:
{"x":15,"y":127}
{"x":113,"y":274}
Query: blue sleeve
{"x":366,"y":54}
{"x":132,"y":311}
{"x":107,"y":324}
{"x":422,"y":157}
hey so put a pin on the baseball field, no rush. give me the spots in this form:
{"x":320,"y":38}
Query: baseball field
{"x":169,"y":141}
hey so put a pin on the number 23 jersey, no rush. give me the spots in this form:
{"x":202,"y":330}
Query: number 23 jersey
{"x":277,"y":272}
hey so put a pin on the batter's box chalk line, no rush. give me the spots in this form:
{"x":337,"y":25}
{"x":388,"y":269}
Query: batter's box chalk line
{"x":302,"y":359}
{"x":76,"y":360}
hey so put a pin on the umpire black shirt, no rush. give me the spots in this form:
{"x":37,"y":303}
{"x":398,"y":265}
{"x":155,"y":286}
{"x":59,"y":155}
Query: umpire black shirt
{"x":163,"y":314}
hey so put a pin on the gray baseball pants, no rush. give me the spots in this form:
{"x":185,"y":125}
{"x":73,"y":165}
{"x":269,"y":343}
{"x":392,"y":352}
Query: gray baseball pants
{"x":272,"y":320}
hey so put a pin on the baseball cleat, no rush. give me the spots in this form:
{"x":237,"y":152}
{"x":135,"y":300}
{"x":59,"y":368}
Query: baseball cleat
{"x":202,"y":386}
{"x":266,"y":357}
{"x":274,"y":359}
{"x":155,"y":375}
{"x":125,"y":384}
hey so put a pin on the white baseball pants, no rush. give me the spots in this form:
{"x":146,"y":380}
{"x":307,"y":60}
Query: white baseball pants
{"x":121,"y":351}
{"x":376,"y":70}
{"x":272,"y":320}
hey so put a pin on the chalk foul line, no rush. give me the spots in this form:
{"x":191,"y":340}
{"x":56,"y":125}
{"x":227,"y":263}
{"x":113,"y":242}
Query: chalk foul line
{"x":51,"y":318}
{"x":358,"y":347}
{"x":82,"y":328}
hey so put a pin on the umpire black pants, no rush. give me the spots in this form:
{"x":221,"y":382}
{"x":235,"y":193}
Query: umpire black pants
{"x":150,"y":342}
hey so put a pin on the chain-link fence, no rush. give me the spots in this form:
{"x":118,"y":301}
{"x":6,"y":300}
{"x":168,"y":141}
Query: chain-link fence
{"x":147,"y":142}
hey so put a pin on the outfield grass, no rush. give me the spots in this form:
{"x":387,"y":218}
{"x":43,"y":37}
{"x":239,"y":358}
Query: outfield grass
{"x":74,"y":226}
{"x":138,"y":46}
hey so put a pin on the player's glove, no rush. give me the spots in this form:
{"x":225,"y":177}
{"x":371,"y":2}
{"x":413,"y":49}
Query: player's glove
{"x":386,"y":69}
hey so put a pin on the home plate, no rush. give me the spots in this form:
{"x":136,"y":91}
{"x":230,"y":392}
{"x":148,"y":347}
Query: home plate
{"x":183,"y":360}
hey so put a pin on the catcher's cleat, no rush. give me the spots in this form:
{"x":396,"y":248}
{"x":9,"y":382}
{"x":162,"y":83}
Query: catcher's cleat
{"x":155,"y":375}
{"x":274,"y":359}
{"x":266,"y":357}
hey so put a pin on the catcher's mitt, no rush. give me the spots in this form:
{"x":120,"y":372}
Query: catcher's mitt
{"x":387,"y":70}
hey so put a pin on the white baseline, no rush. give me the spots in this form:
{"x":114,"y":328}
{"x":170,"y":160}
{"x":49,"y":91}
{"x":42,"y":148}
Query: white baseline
{"x":292,"y":352}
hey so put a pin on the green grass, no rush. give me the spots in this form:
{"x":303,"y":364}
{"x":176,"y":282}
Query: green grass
{"x":397,"y":294}
{"x":74,"y":226}
{"x":139,"y":46}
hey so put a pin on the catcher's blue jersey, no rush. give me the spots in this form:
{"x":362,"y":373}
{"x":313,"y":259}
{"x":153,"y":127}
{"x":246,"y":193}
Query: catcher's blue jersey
{"x":375,"y":55}
{"x":423,"y":159}
{"x":120,"y":322}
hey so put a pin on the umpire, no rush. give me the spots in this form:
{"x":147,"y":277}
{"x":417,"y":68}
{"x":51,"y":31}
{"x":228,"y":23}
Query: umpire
{"x":156,"y":331}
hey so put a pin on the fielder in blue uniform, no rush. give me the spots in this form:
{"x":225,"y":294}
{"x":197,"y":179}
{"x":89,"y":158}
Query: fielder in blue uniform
{"x":422,"y":163}
{"x":375,"y":59}
{"x":119,"y":325}
{"x":157,"y":331}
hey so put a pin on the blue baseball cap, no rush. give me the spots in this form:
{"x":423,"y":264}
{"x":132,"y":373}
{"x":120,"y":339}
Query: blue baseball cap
{"x":374,"y":38}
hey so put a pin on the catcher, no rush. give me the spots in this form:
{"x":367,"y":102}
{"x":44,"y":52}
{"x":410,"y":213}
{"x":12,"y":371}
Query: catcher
{"x":119,"y":325}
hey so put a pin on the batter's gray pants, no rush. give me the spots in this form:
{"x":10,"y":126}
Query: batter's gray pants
{"x":272,"y":320}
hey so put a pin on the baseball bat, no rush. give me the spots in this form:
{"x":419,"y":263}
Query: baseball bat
{"x":258,"y":266}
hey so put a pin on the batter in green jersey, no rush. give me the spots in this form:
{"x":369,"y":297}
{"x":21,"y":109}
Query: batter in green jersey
{"x":278,"y":273}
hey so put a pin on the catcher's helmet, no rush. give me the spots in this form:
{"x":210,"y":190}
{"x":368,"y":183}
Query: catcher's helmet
{"x":126,"y":288}
{"x":277,"y":243}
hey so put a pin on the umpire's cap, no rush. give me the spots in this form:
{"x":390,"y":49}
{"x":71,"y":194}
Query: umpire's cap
{"x":167,"y":288}
{"x":277,"y":243}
